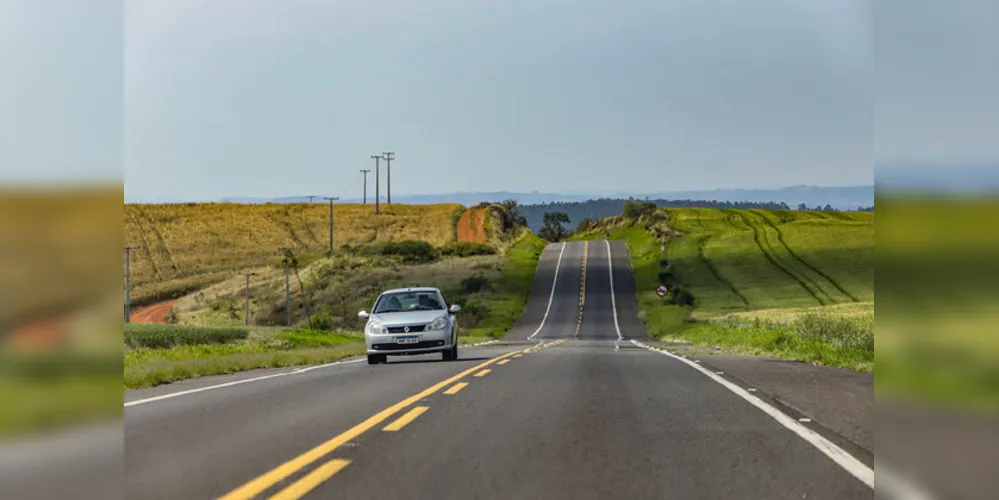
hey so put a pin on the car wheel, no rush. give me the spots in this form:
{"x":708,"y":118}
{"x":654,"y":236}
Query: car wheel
{"x":374,"y":359}
{"x":448,"y":355}
{"x":454,"y":355}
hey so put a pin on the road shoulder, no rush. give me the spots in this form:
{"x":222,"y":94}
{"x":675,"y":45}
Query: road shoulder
{"x":840,"y":400}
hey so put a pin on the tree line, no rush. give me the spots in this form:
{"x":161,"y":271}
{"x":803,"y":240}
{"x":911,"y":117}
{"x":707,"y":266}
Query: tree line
{"x":598,"y":209}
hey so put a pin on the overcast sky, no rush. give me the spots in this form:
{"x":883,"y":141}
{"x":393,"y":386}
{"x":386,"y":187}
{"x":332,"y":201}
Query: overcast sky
{"x":285,"y":97}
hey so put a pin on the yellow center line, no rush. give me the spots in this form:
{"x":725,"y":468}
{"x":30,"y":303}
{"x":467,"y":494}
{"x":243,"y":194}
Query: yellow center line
{"x":505,"y":361}
{"x":300,"y":488}
{"x":456,"y":387}
{"x":255,"y":486}
{"x":483,"y":373}
{"x":517,"y":355}
{"x":405,"y":419}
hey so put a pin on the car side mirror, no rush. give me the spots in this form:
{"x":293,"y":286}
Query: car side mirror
{"x":455,"y":309}
{"x":363,"y":315}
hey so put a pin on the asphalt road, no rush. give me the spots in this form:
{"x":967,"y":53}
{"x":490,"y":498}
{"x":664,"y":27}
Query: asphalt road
{"x":573,"y":406}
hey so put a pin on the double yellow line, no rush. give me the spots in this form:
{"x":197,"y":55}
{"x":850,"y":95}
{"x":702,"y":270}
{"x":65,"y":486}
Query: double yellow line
{"x":310,"y":481}
{"x":582,"y":289}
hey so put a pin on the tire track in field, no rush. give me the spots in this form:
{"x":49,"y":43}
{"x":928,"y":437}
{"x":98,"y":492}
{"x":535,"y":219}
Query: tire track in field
{"x":701,"y":243}
{"x":780,"y":238}
{"x":773,"y":250}
{"x":159,"y":239}
{"x":144,"y":244}
{"x":757,"y":237}
{"x":287,"y":226}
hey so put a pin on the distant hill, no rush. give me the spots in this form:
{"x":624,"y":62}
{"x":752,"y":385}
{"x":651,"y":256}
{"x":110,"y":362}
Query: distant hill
{"x":841,"y":198}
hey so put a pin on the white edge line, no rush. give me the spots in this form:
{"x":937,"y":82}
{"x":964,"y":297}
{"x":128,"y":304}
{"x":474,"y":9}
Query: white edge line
{"x":610,"y":268}
{"x":235,"y":382}
{"x":894,"y":486}
{"x":480,"y":343}
{"x":551,"y":297}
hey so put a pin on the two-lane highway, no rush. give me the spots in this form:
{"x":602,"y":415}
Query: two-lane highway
{"x":574,"y":406}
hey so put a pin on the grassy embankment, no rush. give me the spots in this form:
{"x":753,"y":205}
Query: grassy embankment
{"x":798,"y":285}
{"x":938,"y":290}
{"x":188,"y":246}
{"x":491,"y":282}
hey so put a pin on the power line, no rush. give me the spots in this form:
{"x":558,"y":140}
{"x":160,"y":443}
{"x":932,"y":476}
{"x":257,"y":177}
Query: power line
{"x":377,"y":159}
{"x":246,"y":318}
{"x":389,"y":156}
{"x":331,"y":199}
{"x":364,"y":197}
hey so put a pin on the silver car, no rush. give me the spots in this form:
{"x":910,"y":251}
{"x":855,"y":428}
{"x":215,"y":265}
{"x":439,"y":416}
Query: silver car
{"x":411,"y":321}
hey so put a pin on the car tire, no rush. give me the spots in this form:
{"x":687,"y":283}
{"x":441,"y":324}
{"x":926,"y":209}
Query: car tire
{"x":448,"y":355}
{"x":374,"y":359}
{"x":454,"y":355}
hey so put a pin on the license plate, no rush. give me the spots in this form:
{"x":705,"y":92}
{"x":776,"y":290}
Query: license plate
{"x":407,"y":340}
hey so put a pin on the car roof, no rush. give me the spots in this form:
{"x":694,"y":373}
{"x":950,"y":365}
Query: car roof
{"x":414,"y":289}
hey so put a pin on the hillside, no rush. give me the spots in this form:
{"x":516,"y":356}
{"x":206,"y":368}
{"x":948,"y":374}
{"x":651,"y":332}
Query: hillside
{"x":739,"y":260}
{"x":580,"y":211}
{"x":188,"y":246}
{"x":795,"y":284}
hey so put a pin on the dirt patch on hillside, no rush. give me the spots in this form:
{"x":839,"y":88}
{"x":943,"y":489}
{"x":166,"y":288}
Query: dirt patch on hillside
{"x":154,"y":314}
{"x":41,"y":335}
{"x":471,"y":226}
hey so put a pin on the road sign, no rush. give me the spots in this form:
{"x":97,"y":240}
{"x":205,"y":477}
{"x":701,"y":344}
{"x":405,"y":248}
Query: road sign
{"x":661,"y":290}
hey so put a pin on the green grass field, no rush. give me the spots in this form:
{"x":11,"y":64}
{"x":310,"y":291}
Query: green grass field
{"x":743,"y":260}
{"x":193,"y":353}
{"x":799,"y":285}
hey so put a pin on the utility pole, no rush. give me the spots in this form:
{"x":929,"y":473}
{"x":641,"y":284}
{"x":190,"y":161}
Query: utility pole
{"x":377,"y":187}
{"x":128,"y":282}
{"x":364,"y":199}
{"x":287,"y":283}
{"x":331,"y":220}
{"x":389,"y":156}
{"x":310,"y":198}
{"x":246,"y":319}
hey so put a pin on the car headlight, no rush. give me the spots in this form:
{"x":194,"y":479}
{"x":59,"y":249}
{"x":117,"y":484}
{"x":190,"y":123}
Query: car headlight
{"x":376,"y":327}
{"x":438,"y":324}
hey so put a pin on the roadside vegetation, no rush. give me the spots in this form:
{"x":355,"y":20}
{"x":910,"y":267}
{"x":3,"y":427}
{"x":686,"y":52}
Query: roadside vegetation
{"x":43,"y":390}
{"x":937,"y":296}
{"x":192,"y":353}
{"x":206,"y":335}
{"x":797,"y":285}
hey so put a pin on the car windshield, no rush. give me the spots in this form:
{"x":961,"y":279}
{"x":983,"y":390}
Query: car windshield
{"x":408,"y":301}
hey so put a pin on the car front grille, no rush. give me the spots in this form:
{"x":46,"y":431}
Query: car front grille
{"x":402,"y":329}
{"x":426,"y":344}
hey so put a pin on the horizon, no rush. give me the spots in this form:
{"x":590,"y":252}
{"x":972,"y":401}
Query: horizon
{"x":594,"y":195}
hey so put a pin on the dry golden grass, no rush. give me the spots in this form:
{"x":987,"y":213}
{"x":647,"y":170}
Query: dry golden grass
{"x":58,"y":250}
{"x":192,"y":245}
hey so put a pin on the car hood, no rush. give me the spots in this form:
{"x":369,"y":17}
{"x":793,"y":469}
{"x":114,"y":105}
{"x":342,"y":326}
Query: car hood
{"x":408,"y":317}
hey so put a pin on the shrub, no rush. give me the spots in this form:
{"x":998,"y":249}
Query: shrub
{"x":844,"y":333}
{"x":635,"y":209}
{"x":323,"y":320}
{"x":475,"y":283}
{"x":165,"y":336}
{"x":681,"y":296}
{"x":472,"y":311}
{"x":467,"y":249}
{"x":408,"y":250}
